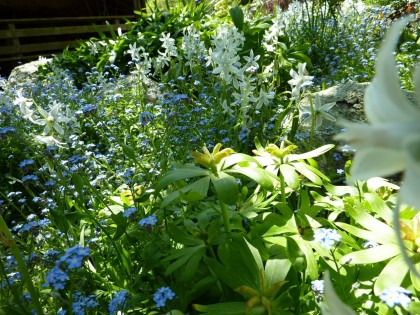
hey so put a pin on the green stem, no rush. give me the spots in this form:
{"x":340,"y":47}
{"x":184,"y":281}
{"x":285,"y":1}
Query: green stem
{"x":225,"y":214}
{"x":313,"y":120}
{"x":8,"y":237}
{"x":338,"y":271}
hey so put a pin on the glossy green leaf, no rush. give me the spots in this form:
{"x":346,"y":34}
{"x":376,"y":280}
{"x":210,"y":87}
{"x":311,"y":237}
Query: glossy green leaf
{"x":128,"y":151}
{"x":308,"y":171}
{"x":334,"y":304}
{"x":183,"y":172}
{"x":237,"y":17}
{"x":236,"y":158}
{"x":276,"y":270}
{"x":182,"y":256}
{"x":311,"y":154}
{"x":290,"y":176}
{"x":392,"y":275}
{"x":226,"y":188}
{"x":381,"y":238}
{"x":372,"y":255}
{"x":259,"y":175}
{"x":379,"y":206}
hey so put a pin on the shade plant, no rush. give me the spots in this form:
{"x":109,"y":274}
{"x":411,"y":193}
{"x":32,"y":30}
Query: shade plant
{"x":171,"y":180}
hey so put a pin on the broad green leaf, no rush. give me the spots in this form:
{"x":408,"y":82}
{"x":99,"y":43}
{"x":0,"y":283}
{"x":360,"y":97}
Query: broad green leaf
{"x":198,"y":190}
{"x":226,"y":188}
{"x":128,"y":151}
{"x":238,"y":158}
{"x":230,"y":308}
{"x":379,"y":206}
{"x":381,"y":238}
{"x":290,"y":176}
{"x":237,"y":17}
{"x":276,"y":270}
{"x":259,"y":175}
{"x":307,"y":171}
{"x":78,"y":183}
{"x":183,"y":172}
{"x":311,"y":154}
{"x":372,"y":255}
{"x":192,"y":264}
{"x":182,"y":256}
{"x":392,"y":275}
{"x":200,"y":185}
{"x":334,"y":305}
{"x":182,"y":237}
{"x":255,"y":255}
{"x":359,"y":214}
{"x":311,"y":261}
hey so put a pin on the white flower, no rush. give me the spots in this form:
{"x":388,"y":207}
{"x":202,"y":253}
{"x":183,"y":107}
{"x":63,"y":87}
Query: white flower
{"x":50,"y":141}
{"x":24,"y":105}
{"x":391,"y":142}
{"x":133,"y":51}
{"x":299,"y":80}
{"x":320,"y":112}
{"x":52,"y":119}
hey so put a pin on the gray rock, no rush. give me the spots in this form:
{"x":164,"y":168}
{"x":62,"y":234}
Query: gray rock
{"x":25,"y":73}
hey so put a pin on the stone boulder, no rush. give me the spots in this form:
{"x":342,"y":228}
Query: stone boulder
{"x":25,"y":73}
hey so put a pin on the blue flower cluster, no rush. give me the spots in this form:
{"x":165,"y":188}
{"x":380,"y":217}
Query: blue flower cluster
{"x":396,"y":296}
{"x":118,"y":302}
{"x":74,"y":256}
{"x":81,"y":303}
{"x":72,"y":259}
{"x":150,"y":220}
{"x":327,"y":237}
{"x":162,"y":295}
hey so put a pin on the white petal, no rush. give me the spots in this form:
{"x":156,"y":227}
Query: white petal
{"x":384,"y":100}
{"x":372,"y":162}
{"x":328,"y":116}
{"x":410,"y":189}
{"x":389,"y":136}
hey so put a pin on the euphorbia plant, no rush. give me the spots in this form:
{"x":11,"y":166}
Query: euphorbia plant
{"x":220,"y":168}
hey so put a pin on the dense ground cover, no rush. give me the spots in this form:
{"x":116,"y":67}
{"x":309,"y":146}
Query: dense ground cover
{"x":172,"y":169}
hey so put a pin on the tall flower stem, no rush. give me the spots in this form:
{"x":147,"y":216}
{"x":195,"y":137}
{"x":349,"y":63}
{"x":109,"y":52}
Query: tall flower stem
{"x":7,"y":238}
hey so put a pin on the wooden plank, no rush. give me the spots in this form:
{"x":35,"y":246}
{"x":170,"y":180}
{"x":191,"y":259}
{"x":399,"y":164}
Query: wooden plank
{"x":38,"y":47}
{"x":58,"y":30}
{"x":69,"y":19}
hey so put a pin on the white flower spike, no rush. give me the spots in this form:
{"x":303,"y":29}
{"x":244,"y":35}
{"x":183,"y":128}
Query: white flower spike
{"x":391,"y":142}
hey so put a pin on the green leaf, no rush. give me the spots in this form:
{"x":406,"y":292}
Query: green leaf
{"x":182,"y":237}
{"x":185,"y":171}
{"x":311,"y":154}
{"x":198,"y":187}
{"x":308,"y":171}
{"x":372,"y":255}
{"x":78,"y":183}
{"x":230,"y":308}
{"x":333,"y":302}
{"x":276,"y":270}
{"x":128,"y":151}
{"x":290,"y":176}
{"x":392,"y":275}
{"x":226,"y":188}
{"x":381,"y":238}
{"x":259,"y":175}
{"x":182,"y":256}
{"x":359,"y":214}
{"x":238,"y":158}
{"x":237,"y":17}
{"x":379,"y":206}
